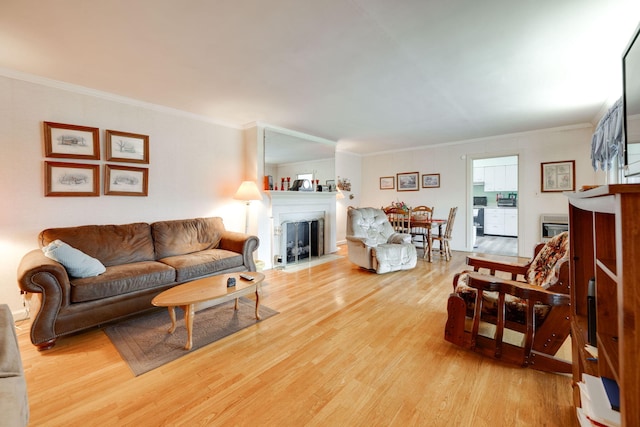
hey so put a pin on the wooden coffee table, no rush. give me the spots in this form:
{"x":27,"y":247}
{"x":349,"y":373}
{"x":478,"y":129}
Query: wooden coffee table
{"x":203,"y":293}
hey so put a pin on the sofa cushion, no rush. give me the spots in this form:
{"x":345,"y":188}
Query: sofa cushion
{"x":122,"y":279}
{"x":544,"y":268}
{"x":10,"y":361}
{"x":203,"y":263}
{"x":77,"y":263}
{"x":111,"y":244}
{"x":181,"y":237}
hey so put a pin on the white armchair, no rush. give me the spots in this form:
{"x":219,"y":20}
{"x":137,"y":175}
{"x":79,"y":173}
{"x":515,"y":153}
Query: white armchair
{"x":373,"y":244}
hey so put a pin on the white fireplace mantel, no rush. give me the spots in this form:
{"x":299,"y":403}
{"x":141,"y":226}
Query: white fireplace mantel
{"x":288,"y":205}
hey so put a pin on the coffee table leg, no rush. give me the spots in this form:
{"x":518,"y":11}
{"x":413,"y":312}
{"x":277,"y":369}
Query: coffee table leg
{"x":257,"y":303}
{"x":189,"y":313}
{"x":172,"y":316}
{"x":235,"y":307}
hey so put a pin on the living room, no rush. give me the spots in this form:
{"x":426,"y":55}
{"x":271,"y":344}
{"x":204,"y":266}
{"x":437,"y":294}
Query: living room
{"x":196,"y":165}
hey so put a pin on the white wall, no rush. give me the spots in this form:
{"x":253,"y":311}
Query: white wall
{"x":454,"y":164}
{"x":195,"y":168}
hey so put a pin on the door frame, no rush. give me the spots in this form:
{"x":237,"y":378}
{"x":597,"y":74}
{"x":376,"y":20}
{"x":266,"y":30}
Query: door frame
{"x":470,"y":160}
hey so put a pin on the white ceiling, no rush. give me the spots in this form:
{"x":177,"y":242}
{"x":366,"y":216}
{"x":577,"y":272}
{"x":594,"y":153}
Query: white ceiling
{"x":374,"y":75}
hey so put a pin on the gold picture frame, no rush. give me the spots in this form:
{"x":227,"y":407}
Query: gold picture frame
{"x":71,"y":141}
{"x":125,"y":181}
{"x":408,"y":181}
{"x":126,"y":147}
{"x":387,"y":182}
{"x":71,"y":180}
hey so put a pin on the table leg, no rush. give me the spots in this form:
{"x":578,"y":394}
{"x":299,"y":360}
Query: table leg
{"x":172,"y":316}
{"x":257,"y":303}
{"x":189,"y":313}
{"x":235,"y":307}
{"x":429,"y":255}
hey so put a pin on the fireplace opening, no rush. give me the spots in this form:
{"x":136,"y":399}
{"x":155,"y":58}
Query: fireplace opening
{"x":302,"y":240}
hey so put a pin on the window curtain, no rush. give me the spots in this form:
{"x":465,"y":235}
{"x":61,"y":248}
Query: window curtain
{"x":608,"y":139}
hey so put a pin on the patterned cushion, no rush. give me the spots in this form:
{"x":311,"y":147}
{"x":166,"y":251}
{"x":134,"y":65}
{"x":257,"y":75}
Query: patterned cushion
{"x":544,"y":268}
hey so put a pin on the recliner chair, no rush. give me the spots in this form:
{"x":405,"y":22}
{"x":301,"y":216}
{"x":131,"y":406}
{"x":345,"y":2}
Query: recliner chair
{"x":373,"y":244}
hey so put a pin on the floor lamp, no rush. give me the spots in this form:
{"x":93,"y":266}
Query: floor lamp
{"x":248,"y":191}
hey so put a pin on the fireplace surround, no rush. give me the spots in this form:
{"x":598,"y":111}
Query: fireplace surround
{"x":301,"y":212}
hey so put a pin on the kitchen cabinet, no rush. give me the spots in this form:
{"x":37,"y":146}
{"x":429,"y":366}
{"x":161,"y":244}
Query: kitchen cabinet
{"x":500,"y":178}
{"x":501,"y":221}
{"x":478,"y":175}
{"x":510,"y":222}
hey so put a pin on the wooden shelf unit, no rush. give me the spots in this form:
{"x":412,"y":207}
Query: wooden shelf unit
{"x":604,"y":227}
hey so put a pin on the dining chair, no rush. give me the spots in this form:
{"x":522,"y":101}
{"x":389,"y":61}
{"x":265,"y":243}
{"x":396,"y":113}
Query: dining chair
{"x":443,"y":240}
{"x":418,"y":214}
{"x":399,"y":218}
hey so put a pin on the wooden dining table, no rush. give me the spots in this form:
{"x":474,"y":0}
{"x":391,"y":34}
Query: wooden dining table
{"x":428,"y":225}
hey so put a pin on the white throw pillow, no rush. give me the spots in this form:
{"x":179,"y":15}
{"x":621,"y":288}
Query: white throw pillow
{"x":77,"y":263}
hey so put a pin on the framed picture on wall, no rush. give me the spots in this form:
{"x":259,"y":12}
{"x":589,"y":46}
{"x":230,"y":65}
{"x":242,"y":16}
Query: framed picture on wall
{"x":431,"y":180}
{"x":127,"y":147}
{"x":71,"y":180}
{"x":408,"y":181}
{"x":558,"y":176}
{"x":125,"y":181}
{"x":387,"y":182}
{"x":71,"y":141}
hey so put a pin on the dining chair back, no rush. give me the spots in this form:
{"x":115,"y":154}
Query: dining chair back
{"x":444,"y":248}
{"x":419,"y":233}
{"x":399,"y":218}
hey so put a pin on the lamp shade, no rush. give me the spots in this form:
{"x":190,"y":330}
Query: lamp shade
{"x":248,"y":191}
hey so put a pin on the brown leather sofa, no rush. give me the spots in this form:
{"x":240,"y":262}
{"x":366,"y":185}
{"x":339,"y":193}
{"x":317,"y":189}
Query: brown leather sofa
{"x":141,"y":261}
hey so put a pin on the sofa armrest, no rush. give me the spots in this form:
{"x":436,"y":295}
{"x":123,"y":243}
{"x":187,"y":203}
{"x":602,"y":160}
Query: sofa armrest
{"x":39,"y":274}
{"x":241,"y":243}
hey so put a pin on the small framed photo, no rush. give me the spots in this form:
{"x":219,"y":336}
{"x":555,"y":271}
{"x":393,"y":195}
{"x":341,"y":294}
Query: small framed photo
{"x":71,"y":180}
{"x":127,"y":147}
{"x":387,"y":182}
{"x":71,"y":141}
{"x":125,"y":181}
{"x":331,"y":184}
{"x":431,"y":180}
{"x":408,"y":181}
{"x":558,"y":176}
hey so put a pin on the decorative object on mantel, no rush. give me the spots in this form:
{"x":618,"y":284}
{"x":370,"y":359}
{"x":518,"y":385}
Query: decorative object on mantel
{"x":71,"y":179}
{"x":71,"y":141}
{"x":247,"y":192}
{"x":408,"y":181}
{"x":125,"y":181}
{"x":608,"y":140}
{"x":127,"y":147}
{"x":431,"y":180}
{"x":558,"y":176}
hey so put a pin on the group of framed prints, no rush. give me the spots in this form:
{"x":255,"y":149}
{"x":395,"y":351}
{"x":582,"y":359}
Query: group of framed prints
{"x":409,"y":181}
{"x":67,"y":179}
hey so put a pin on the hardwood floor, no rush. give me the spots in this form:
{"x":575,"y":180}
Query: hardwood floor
{"x":349,"y":348}
{"x":497,"y":245}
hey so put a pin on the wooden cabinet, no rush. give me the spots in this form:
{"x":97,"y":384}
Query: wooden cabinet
{"x":501,"y":221}
{"x":605,"y":245}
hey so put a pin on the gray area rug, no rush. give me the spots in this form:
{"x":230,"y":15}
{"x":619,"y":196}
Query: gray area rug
{"x":143,"y":341}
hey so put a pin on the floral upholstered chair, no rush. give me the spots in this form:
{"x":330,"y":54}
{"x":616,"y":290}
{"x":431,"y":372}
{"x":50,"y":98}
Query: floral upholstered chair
{"x":374,"y":244}
{"x":521,"y":316}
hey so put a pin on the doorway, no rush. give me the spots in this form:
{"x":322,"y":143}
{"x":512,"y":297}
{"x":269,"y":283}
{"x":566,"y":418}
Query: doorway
{"x":495,"y":205}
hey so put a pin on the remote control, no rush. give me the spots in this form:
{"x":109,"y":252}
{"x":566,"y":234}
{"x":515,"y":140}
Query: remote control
{"x":246,"y":277}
